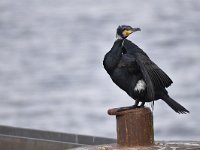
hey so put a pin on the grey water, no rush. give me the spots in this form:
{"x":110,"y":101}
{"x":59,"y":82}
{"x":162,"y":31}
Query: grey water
{"x":51,"y":73}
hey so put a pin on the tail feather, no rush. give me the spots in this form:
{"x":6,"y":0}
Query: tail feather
{"x":175,"y":105}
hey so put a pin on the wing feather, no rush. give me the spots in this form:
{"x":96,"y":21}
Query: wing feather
{"x":154,"y":76}
{"x":148,"y":80}
{"x":159,"y":78}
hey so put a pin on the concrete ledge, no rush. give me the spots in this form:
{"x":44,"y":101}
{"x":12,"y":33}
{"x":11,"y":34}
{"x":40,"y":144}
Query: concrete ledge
{"x":160,"y":145}
{"x":55,"y":136}
{"x":20,"y":143}
{"x":12,"y":138}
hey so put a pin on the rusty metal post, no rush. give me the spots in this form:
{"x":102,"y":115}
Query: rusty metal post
{"x":134,"y":127}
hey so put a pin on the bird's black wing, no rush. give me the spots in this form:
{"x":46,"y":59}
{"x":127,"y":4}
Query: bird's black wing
{"x":159,"y":78}
{"x":154,"y":77}
{"x":147,"y":78}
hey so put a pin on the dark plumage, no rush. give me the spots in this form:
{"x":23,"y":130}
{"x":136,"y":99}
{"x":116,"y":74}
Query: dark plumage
{"x":132,"y":70}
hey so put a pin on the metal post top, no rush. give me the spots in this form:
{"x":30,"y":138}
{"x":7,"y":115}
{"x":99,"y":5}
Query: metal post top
{"x":138,"y":111}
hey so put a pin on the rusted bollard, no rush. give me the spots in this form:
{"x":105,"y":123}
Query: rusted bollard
{"x":134,"y":127}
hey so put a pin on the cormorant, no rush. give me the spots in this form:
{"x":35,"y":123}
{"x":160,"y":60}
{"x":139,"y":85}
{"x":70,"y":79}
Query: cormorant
{"x":134,"y":72}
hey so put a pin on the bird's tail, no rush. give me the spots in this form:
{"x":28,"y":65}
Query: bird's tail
{"x":175,"y":105}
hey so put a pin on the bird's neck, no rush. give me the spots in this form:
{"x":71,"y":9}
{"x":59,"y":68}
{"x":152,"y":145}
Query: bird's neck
{"x":113,"y":57}
{"x":116,"y":51}
{"x":117,"y":47}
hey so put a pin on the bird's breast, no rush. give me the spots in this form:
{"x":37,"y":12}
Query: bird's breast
{"x":121,"y":77}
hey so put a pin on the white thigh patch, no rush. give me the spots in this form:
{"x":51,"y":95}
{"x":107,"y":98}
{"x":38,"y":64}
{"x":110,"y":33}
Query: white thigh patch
{"x":141,"y":85}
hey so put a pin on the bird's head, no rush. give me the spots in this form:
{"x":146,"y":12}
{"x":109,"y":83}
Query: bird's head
{"x":123,"y":31}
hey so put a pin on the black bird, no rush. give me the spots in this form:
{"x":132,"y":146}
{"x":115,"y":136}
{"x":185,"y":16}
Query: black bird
{"x":134,"y":72}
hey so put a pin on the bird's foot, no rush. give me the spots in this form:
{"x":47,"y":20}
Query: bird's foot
{"x":127,"y":108}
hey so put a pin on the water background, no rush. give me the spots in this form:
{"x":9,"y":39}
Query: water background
{"x":51,"y":73}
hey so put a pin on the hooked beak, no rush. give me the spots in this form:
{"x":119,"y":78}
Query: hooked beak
{"x":135,"y":29}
